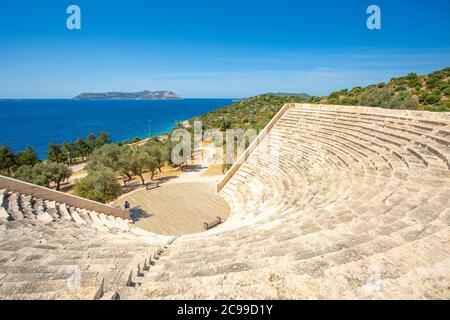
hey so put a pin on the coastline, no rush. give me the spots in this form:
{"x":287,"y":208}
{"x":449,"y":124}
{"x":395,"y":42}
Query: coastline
{"x":37,"y":122}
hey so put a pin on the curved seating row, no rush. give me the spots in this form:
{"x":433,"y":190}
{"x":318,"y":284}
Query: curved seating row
{"x":49,"y":250}
{"x":336,"y":202}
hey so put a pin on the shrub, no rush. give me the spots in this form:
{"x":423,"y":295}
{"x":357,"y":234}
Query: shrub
{"x":433,"y":82}
{"x":334,"y":95}
{"x":411,"y":76}
{"x":24,"y":173}
{"x":356,"y":90}
{"x":350,"y":101}
{"x":333,"y":101}
{"x":429,"y":98}
{"x":404,"y":101}
{"x":44,"y":173}
{"x":315,"y":99}
{"x":100,"y":185}
{"x":442,"y":106}
{"x":446,"y":91}
{"x":374,"y":97}
{"x":386,"y":98}
{"x":400,"y":88}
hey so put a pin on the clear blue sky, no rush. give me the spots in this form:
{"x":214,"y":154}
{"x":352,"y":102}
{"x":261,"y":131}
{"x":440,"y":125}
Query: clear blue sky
{"x":215,"y":48}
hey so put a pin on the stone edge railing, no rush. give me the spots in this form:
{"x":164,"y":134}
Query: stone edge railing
{"x":53,"y":195}
{"x":399,"y":113}
{"x":262,"y":134}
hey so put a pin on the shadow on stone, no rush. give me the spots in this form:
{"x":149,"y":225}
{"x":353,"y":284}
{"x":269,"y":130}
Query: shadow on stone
{"x":138,"y":213}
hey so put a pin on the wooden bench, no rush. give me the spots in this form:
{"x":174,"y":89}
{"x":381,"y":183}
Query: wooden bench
{"x":210,"y":225}
{"x":151,"y":185}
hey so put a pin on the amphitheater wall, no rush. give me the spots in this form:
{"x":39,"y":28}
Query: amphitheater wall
{"x":52,"y":195}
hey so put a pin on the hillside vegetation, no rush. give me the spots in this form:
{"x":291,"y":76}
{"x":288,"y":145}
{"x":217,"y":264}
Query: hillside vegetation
{"x":285,"y":94}
{"x":254,"y":112}
{"x":429,"y":92}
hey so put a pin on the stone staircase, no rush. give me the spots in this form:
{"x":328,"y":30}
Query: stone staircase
{"x":353,"y":203}
{"x":49,"y":250}
{"x":335,"y":202}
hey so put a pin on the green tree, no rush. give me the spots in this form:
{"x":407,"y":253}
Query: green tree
{"x":429,"y":98}
{"x":29,"y":157}
{"x":142,"y":161}
{"x":113,"y":156}
{"x":446,"y":91}
{"x":166,"y":151}
{"x":24,"y":173}
{"x":90,"y":140}
{"x":55,"y":153}
{"x":159,"y":151}
{"x":101,"y":186}
{"x":375,"y":97}
{"x":102,"y":139}
{"x":70,"y":149}
{"x":82,"y":148}
{"x":7,"y":160}
{"x":45,"y":173}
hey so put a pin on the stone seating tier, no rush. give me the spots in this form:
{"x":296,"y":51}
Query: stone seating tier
{"x":333,"y":202}
{"x":355,"y":194}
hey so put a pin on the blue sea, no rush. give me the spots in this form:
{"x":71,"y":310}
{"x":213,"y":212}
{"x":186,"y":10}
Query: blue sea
{"x":38,"y":122}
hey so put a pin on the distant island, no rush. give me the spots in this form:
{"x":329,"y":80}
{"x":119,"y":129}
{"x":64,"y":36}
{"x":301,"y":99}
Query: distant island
{"x":141,"y":95}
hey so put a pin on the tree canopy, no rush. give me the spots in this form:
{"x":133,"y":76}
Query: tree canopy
{"x":100,"y":185}
{"x":127,"y":161}
{"x":29,"y":156}
{"x":7,"y":160}
{"x":44,"y":173}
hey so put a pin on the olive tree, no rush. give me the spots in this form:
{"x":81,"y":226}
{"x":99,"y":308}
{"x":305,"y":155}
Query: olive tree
{"x":142,"y":161}
{"x":44,"y":174}
{"x":113,"y":156}
{"x":100,"y":185}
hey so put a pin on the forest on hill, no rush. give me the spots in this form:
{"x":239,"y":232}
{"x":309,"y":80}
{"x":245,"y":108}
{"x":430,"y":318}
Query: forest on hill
{"x":429,"y":92}
{"x":254,"y":112}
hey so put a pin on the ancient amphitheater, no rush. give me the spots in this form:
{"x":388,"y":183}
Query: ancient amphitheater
{"x":350,"y":202}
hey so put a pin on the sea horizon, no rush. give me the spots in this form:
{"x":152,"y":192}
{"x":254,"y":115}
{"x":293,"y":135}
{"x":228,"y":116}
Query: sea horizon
{"x":16,"y":99}
{"x":37,"y":122}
